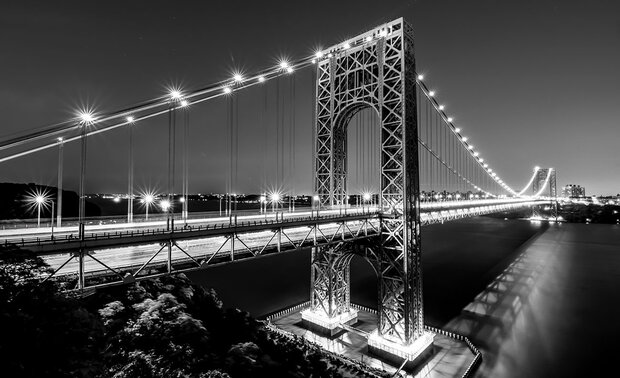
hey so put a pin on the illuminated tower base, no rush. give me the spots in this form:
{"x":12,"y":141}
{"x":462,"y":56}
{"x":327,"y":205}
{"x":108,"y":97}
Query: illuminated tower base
{"x":320,"y":323}
{"x":414,"y":353}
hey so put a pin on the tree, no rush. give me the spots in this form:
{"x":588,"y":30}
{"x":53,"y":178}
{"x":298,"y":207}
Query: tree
{"x":44,"y":333}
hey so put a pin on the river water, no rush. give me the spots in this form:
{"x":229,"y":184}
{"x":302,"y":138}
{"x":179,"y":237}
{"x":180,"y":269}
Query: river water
{"x":539,"y":300}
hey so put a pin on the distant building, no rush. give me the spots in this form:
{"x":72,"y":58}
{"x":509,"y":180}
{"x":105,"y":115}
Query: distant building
{"x":572,"y":190}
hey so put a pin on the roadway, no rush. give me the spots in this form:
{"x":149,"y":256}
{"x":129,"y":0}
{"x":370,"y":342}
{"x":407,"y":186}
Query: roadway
{"x":200,"y":241}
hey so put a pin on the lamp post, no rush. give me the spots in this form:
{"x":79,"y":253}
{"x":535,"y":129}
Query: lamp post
{"x":316,"y":200}
{"x":275,"y":198}
{"x":130,"y":121}
{"x":59,"y":184}
{"x":52,"y":221}
{"x":147,"y":200}
{"x":86,"y":120}
{"x":366,"y":198}
{"x":262,"y":200}
{"x":40,"y":200}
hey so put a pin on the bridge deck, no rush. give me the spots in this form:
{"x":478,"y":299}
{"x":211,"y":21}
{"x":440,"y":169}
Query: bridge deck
{"x":132,"y":251}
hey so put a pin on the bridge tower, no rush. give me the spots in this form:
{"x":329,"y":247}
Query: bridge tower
{"x":540,"y":180}
{"x":373,"y":70}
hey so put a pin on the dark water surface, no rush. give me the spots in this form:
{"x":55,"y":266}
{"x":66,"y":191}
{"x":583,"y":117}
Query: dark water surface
{"x":552,"y":312}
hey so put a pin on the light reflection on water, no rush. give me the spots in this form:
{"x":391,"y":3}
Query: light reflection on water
{"x":541,"y":316}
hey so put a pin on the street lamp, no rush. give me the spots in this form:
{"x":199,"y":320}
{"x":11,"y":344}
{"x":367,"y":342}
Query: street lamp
{"x":316,"y":201}
{"x":38,"y":199}
{"x":274,"y":198}
{"x":147,"y":200}
{"x":59,"y":183}
{"x":366,"y":196}
{"x":165,"y":205}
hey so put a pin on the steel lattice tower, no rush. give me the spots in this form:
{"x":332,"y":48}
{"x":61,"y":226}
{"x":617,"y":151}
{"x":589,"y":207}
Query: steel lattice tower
{"x":373,"y":70}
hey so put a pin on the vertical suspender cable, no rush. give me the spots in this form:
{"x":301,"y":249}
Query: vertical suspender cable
{"x":236,"y":155}
{"x":185,"y":163}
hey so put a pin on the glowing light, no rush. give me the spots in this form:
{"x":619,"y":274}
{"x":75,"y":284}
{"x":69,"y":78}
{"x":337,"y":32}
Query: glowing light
{"x":330,"y":55}
{"x":116,"y":199}
{"x":184,"y":103}
{"x":182,"y":199}
{"x":420,"y":77}
{"x":471,"y":147}
{"x":87,"y":117}
{"x":275,"y":197}
{"x":148,"y":199}
{"x":347,"y":45}
{"x":263,"y":198}
{"x":261,"y":79}
{"x":536,"y":168}
{"x":319,"y":54}
{"x":238,"y":77}
{"x":485,"y":165}
{"x":457,"y":130}
{"x":284,"y":64}
{"x":481,"y":160}
{"x":130,"y":119}
{"x":227,"y":90}
{"x":368,"y":39}
{"x":383,"y":33}
{"x":175,"y":94}
{"x":464,"y":139}
{"x":431,"y":93}
{"x":441,"y":107}
{"x":313,"y":61}
{"x":289,"y":70}
{"x":316,"y":198}
{"x":37,"y":199}
{"x":60,"y":139}
{"x":366,"y":196}
{"x":476,"y":153}
{"x":450,"y":119}
{"x":165,"y":205}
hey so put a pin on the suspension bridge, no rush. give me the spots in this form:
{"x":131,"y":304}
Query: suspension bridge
{"x":387,"y":159}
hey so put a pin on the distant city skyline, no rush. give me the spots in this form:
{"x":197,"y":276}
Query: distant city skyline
{"x":530,"y":83}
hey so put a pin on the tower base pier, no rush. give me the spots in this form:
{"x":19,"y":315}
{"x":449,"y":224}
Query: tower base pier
{"x":390,"y":351}
{"x":320,"y":323}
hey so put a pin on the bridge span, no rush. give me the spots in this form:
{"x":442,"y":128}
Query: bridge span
{"x":120,"y":253}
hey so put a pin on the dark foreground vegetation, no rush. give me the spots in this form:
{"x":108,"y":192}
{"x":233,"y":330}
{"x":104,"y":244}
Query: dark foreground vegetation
{"x":164,"y":327}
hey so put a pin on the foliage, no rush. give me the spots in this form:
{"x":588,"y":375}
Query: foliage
{"x":166,"y":327}
{"x":43,"y":332}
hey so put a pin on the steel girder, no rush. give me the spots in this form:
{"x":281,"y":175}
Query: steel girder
{"x":377,"y":70}
{"x":225,"y":245}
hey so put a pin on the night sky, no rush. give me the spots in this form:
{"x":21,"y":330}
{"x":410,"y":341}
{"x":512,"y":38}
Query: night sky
{"x":529,"y":82}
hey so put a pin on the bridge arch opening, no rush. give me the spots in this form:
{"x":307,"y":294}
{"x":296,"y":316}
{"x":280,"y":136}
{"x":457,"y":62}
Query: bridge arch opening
{"x":359,"y":127}
{"x":363,"y":267}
